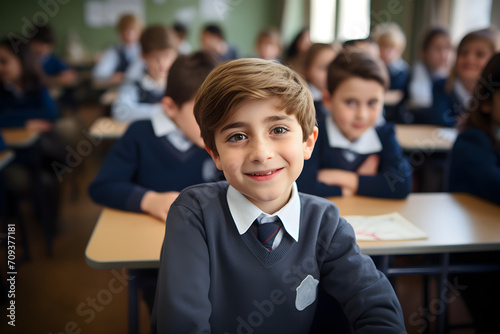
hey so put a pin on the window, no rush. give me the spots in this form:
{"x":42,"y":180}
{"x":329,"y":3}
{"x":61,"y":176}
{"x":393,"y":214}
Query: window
{"x":467,"y":16}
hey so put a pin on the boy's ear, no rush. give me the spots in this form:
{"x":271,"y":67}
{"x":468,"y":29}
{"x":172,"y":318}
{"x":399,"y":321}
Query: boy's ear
{"x":215,"y":157}
{"x":169,"y":106}
{"x":309,"y":143}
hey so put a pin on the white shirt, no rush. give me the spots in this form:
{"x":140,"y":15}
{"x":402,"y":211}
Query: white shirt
{"x":420,"y":87}
{"x":164,"y":126}
{"x":368,"y":143}
{"x":127,"y":108}
{"x":245,"y":212}
{"x":463,"y":94}
{"x":106,"y":66}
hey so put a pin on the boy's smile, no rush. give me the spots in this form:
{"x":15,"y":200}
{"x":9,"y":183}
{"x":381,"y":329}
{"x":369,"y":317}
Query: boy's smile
{"x":261,"y":152}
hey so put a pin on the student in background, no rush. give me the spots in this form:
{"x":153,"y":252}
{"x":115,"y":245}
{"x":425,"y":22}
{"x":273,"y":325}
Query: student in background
{"x":24,"y":100}
{"x":56,"y":72}
{"x":181,"y":32}
{"x":213,"y":40}
{"x":434,"y":64}
{"x":140,"y":99}
{"x":362,"y":45}
{"x":392,"y":42}
{"x":451,"y":96}
{"x":296,"y":52}
{"x":157,"y":158}
{"x":352,"y":156}
{"x":111,"y":68}
{"x":475,"y":158}
{"x":316,"y":62}
{"x":268,"y":44}
{"x":229,"y":246}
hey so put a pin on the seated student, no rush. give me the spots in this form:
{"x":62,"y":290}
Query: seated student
{"x":24,"y":100}
{"x":362,"y":45}
{"x":229,"y":246}
{"x":297,"y":50}
{"x":451,"y":96}
{"x":181,"y":32}
{"x":213,"y":40}
{"x":392,"y":42}
{"x":318,"y":57}
{"x":116,"y":60}
{"x":434,"y":64}
{"x":352,"y":156}
{"x":140,"y":99}
{"x":157,"y":158}
{"x":57,"y":73}
{"x":475,"y":157}
{"x":268,"y":44}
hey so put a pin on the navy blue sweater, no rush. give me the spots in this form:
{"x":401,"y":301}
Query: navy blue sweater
{"x":446,"y":106}
{"x":214,"y":280}
{"x":475,"y":166}
{"x":141,"y":161}
{"x":15,"y":109}
{"x":393,"y":179}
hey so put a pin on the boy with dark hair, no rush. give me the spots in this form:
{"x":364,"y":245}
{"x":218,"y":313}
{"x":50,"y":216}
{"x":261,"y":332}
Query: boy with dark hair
{"x":140,"y":99}
{"x":250,"y":254}
{"x":213,"y":40}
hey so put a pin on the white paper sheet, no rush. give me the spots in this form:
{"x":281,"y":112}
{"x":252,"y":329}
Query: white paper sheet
{"x":391,"y":226}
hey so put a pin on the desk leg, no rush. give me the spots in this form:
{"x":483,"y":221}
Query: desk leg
{"x":442,"y":293}
{"x":133,"y":304}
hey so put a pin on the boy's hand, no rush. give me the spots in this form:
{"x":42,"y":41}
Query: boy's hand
{"x":347,"y":180}
{"x":157,"y":204}
{"x":370,"y":166}
{"x":38,"y":125}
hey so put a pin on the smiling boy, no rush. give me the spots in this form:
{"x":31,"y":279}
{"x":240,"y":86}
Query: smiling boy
{"x":249,"y":255}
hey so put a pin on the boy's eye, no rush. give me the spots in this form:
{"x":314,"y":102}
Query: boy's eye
{"x":237,"y":137}
{"x":350,"y":102}
{"x":279,"y":130}
{"x":373,"y":102}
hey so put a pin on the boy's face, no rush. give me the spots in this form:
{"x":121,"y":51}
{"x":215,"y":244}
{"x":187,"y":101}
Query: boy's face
{"x":355,"y":105}
{"x":261,"y":152}
{"x":268,"y":49}
{"x":183,"y":117}
{"x":130,"y":35}
{"x":158,"y":62}
{"x":389,"y":53}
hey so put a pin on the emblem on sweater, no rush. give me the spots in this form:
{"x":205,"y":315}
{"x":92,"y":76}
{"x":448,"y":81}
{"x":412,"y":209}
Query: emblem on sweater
{"x":306,"y":292}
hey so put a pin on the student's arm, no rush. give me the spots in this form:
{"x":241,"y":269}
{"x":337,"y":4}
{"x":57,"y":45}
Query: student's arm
{"x":105,"y":68}
{"x":114,"y":184}
{"x":127,"y":108}
{"x":474,"y":167}
{"x":394,"y":177}
{"x":364,"y":293}
{"x":182,"y":302}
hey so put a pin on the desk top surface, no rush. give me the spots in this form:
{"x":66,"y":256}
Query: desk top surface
{"x":107,"y":128}
{"x":427,"y":138}
{"x":453,"y":222}
{"x":19,"y":137}
{"x":6,"y":157}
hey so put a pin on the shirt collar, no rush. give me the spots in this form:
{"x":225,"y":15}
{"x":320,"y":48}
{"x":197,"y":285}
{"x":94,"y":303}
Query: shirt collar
{"x":149,"y":83}
{"x":245,"y":212}
{"x":369,"y":141}
{"x":462,"y":93}
{"x":164,"y":126}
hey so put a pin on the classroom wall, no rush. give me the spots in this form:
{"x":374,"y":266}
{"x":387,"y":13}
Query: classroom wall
{"x":241,"y":20}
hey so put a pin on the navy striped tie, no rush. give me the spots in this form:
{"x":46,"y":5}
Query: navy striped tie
{"x":267,"y":230}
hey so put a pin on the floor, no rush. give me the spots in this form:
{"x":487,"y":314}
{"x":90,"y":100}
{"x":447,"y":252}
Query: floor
{"x":62,"y":294}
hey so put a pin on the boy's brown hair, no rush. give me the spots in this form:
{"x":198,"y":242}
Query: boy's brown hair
{"x":187,"y":74}
{"x":356,"y":64}
{"x":314,"y":51}
{"x":157,"y":37}
{"x":234,"y":83}
{"x":128,"y":21}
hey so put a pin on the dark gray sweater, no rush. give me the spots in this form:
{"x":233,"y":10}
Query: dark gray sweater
{"x":214,"y":280}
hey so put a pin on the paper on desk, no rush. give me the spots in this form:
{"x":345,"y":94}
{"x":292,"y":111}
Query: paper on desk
{"x":449,"y":134}
{"x":391,"y":226}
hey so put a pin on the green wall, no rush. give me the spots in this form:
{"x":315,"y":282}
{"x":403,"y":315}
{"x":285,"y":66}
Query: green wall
{"x":243,"y":20}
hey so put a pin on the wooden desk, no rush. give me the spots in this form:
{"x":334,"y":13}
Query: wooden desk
{"x":107,"y":128}
{"x":425,"y":138}
{"x":19,"y":137}
{"x":6,"y":157}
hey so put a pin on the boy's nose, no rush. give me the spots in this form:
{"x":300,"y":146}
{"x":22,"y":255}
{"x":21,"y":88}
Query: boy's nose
{"x":260,"y":151}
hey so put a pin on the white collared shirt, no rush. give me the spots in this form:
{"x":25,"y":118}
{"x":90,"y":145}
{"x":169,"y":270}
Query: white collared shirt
{"x":368,"y":143}
{"x":164,"y":126}
{"x":245,"y":212}
{"x":463,"y":95}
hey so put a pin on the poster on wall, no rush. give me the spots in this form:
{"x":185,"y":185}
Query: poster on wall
{"x":100,"y":14}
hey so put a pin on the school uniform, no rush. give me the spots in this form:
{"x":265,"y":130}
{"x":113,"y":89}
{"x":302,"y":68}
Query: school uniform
{"x":151,"y":155}
{"x":231,"y":53}
{"x":116,"y":59}
{"x":333,"y":150}
{"x":475,"y":165}
{"x":217,"y":277}
{"x":18,"y":107}
{"x":138,"y":100}
{"x":448,"y":106}
{"x":52,"y":65}
{"x":399,"y":75}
